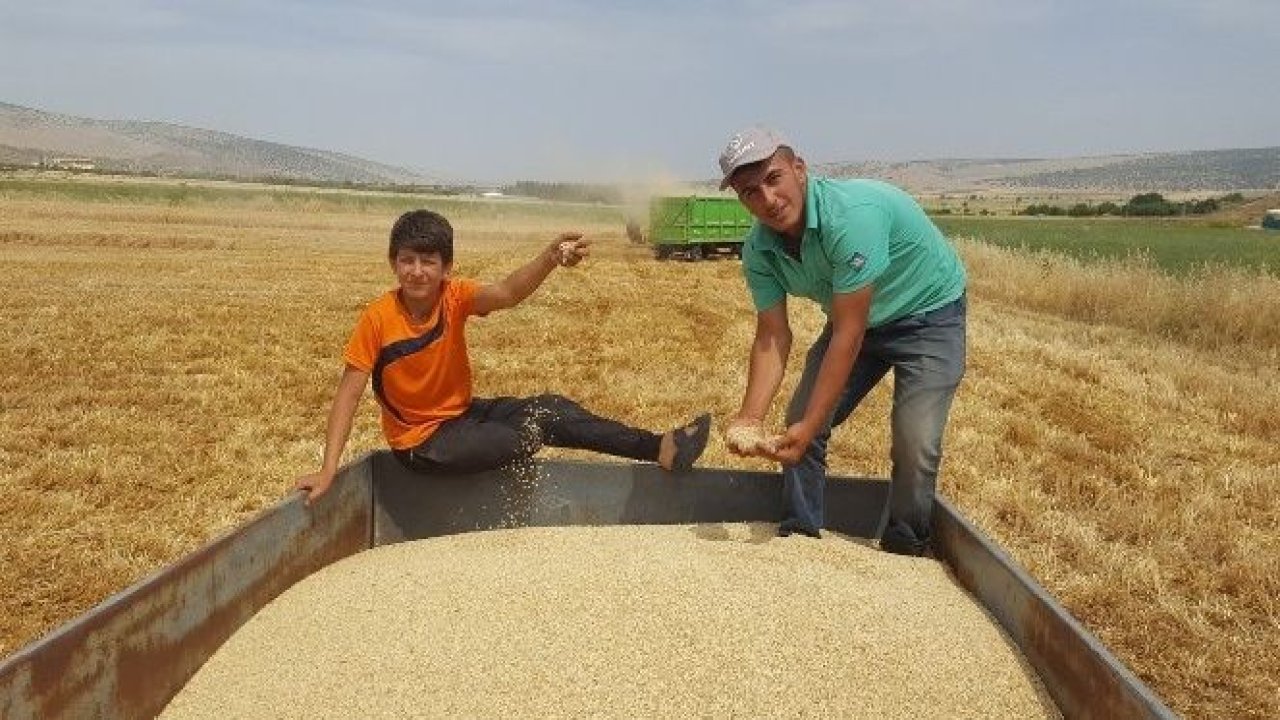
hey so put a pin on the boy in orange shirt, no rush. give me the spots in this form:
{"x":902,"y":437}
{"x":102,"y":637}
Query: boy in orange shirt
{"x":410,"y":343}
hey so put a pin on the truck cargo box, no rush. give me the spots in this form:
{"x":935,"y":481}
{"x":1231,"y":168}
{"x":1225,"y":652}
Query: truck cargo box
{"x":694,"y":227}
{"x":131,"y":654}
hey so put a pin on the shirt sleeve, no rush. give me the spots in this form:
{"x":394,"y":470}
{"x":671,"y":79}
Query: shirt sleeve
{"x":858,"y":247}
{"x":362,"y":347}
{"x":462,"y":295}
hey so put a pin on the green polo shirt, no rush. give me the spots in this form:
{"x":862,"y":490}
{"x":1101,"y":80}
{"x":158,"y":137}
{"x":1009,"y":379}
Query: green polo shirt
{"x":857,"y":233}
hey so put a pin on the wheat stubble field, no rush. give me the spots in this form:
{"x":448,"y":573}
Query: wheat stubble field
{"x":166,"y":367}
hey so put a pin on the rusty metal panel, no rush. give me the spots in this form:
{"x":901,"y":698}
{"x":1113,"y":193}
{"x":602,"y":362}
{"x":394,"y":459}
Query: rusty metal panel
{"x":409,"y":506}
{"x":1084,"y":678}
{"x":127,"y":657}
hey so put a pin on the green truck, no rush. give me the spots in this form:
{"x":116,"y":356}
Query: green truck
{"x":694,"y":227}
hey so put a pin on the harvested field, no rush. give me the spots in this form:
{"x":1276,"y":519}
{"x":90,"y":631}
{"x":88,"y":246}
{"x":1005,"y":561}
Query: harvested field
{"x":165,"y":370}
{"x":624,"y":622}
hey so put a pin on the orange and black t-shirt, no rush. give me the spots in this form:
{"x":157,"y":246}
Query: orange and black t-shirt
{"x":421,"y":373}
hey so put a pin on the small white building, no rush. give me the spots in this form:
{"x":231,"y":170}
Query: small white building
{"x":71,"y":163}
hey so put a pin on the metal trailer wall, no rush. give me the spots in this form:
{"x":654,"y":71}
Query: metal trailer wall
{"x":131,"y":654}
{"x":1084,"y":678}
{"x":127,"y":657}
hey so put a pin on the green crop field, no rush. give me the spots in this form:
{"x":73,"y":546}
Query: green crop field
{"x":1175,"y":246}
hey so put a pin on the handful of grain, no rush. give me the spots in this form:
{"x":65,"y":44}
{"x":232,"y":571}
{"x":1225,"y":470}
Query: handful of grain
{"x":747,"y":439}
{"x":566,"y":252}
{"x":571,"y":252}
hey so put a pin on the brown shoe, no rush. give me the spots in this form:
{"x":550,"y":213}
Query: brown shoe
{"x":690,"y":441}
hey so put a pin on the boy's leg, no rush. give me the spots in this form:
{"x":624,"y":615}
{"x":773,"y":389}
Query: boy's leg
{"x":560,"y":422}
{"x":804,"y":483}
{"x":497,"y":431}
{"x":928,"y":360}
{"x":469,"y":443}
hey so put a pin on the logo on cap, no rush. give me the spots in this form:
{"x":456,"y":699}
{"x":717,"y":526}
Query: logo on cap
{"x":737,"y":148}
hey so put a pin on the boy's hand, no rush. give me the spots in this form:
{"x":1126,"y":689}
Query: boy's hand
{"x":570,"y":249}
{"x":315,"y":484}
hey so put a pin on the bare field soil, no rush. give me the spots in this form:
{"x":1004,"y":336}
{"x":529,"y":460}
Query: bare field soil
{"x":165,"y":372}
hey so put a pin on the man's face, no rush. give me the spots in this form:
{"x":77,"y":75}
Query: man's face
{"x":773,"y":190}
{"x":419,"y":274}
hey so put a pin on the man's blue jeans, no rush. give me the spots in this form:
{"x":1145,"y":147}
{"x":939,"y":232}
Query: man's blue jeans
{"x":927,"y":355}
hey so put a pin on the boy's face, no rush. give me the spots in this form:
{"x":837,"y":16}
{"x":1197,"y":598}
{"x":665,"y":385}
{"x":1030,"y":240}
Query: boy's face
{"x":773,"y":191}
{"x":419,"y":274}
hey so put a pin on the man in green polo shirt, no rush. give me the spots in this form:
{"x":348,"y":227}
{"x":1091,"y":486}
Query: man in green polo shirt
{"x":893,"y":290}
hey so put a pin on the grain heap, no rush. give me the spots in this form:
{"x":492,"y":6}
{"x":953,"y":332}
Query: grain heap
{"x":622,"y":621}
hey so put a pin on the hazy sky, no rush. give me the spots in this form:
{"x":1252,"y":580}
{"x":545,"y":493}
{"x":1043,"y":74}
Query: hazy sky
{"x":491,"y":90}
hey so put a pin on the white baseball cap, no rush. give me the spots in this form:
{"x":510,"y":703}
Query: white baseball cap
{"x":754,"y":144}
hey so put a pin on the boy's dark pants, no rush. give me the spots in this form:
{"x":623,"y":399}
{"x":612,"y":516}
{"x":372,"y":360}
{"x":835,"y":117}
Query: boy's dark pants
{"x":494,"y":432}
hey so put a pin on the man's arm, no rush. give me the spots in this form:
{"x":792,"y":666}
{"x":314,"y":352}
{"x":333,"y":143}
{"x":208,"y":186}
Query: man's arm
{"x":768,"y":363}
{"x":849,"y":312}
{"x":345,"y":401}
{"x":568,"y":250}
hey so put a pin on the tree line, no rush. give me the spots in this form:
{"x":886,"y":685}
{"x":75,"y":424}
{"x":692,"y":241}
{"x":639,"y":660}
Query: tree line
{"x":1144,"y":205}
{"x":567,"y":191}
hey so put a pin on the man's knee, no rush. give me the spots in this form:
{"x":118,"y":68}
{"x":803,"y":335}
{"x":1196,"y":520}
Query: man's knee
{"x":913,"y":461}
{"x":916,"y":447}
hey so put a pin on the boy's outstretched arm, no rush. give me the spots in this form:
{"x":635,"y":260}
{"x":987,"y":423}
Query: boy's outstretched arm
{"x":345,"y":401}
{"x":568,"y":250}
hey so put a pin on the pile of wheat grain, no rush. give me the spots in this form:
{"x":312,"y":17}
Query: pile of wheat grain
{"x":657,"y":621}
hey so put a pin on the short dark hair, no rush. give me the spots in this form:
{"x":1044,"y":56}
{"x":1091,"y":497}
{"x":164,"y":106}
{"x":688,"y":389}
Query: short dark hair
{"x":422,"y":231}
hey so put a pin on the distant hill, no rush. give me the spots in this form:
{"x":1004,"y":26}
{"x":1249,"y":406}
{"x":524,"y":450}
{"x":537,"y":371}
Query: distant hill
{"x":1204,"y":170}
{"x":30,"y":137}
{"x":33,"y":137}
